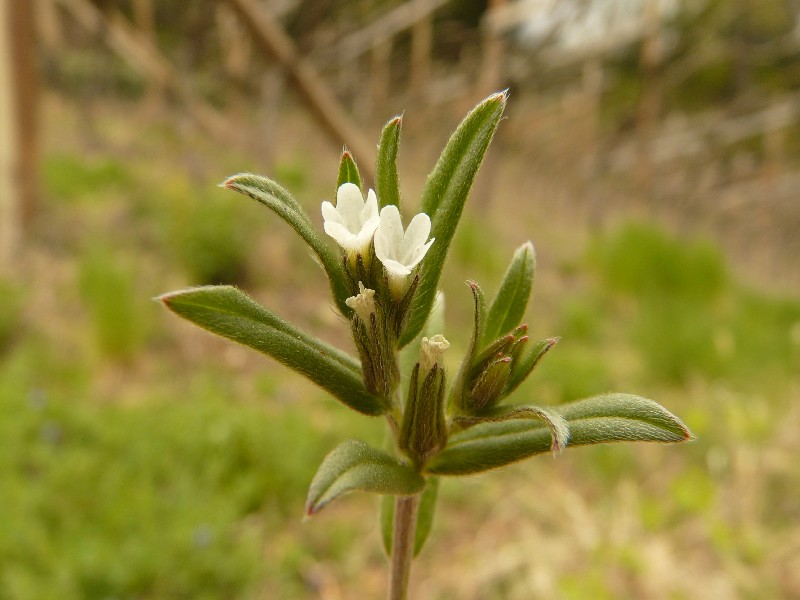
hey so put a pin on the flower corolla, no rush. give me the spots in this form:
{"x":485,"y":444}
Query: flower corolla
{"x":352,"y":222}
{"x":400,"y":251}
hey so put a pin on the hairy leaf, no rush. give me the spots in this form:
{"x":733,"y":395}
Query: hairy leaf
{"x":229,"y":312}
{"x":601,"y":419}
{"x":444,"y":195}
{"x":348,"y":171}
{"x":387,"y":185}
{"x":281,"y":202}
{"x":354,"y":465}
{"x":559,"y":429}
{"x":509,"y":304}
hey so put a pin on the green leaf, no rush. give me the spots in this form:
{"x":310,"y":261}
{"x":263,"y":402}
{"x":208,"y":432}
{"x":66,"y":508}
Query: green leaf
{"x":462,"y":381}
{"x":230,"y":313}
{"x":444,"y":195}
{"x":387,"y":185}
{"x":509,"y":304}
{"x":348,"y":171}
{"x":427,"y":509}
{"x":354,"y":465}
{"x":559,"y":429}
{"x":270,"y":194}
{"x":526,"y":363}
{"x":597,"y":420}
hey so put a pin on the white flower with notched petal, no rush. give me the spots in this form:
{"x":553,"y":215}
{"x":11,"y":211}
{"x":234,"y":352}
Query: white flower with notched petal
{"x":400,"y":251}
{"x":352,"y":222}
{"x":363,"y":303}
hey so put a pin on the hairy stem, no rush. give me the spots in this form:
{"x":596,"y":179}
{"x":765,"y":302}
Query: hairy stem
{"x":405,"y":525}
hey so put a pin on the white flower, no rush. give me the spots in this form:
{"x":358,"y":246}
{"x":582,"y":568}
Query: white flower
{"x":363,"y":304}
{"x":401,"y":251}
{"x":431,"y":351}
{"x":352,"y":222}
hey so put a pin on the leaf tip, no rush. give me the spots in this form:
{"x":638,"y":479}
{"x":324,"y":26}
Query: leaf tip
{"x":501,"y":96}
{"x":230,"y":182}
{"x":164,"y":298}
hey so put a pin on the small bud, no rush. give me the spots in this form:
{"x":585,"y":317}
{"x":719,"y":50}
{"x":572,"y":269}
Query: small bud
{"x":490,"y":384}
{"x":423,"y":433}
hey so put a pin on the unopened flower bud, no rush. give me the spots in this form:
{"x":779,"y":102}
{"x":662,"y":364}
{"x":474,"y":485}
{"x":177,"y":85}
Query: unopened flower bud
{"x":423,"y":433}
{"x":491,"y":382}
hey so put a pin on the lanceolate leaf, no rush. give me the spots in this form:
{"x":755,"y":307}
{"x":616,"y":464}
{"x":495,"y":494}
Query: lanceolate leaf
{"x":387,"y":185}
{"x":427,"y":509}
{"x":559,"y":429}
{"x":348,"y":171}
{"x":444,"y":196}
{"x":229,"y":312}
{"x":601,"y":419}
{"x":509,"y":304}
{"x":354,"y":465}
{"x":270,"y":194}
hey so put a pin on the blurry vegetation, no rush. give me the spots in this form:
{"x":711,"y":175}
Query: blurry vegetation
{"x":109,"y":290}
{"x":209,"y":234}
{"x":11,"y":300}
{"x":129,"y":477}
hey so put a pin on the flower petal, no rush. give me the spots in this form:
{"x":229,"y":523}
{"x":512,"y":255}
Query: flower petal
{"x":370,"y":209}
{"x":419,"y":253}
{"x":329,"y":213}
{"x":349,"y":203}
{"x":341,"y":234}
{"x":389,"y":235}
{"x":364,"y":237}
{"x":415,"y":236}
{"x":395,"y":268}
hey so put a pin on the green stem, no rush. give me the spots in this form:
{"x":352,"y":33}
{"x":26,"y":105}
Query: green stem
{"x":406,"y":509}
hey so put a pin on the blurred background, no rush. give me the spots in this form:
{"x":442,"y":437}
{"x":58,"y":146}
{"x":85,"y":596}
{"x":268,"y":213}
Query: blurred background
{"x":651,"y":151}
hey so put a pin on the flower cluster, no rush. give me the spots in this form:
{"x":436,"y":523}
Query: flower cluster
{"x":381,"y":296}
{"x":355,"y":223}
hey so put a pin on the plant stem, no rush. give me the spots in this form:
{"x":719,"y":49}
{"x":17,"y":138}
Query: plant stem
{"x":405,"y":525}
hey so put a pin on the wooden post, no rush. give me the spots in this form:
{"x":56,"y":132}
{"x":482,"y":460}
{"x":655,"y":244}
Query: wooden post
{"x":18,"y":125}
{"x":321,"y":101}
